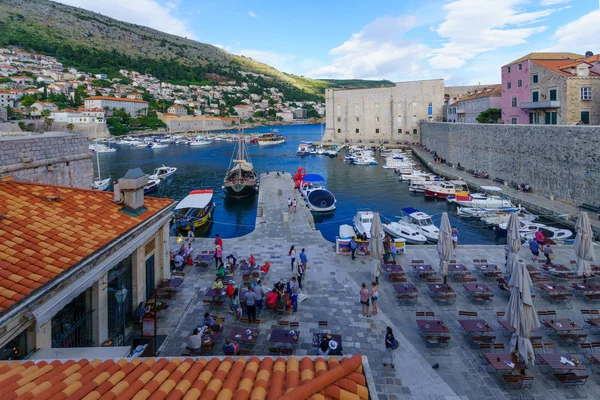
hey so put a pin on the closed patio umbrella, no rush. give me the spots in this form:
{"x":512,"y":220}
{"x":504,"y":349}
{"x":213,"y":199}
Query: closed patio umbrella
{"x":376,"y":245}
{"x":444,"y":246}
{"x":521,"y":314}
{"x":583,"y":245}
{"x":513,"y":240}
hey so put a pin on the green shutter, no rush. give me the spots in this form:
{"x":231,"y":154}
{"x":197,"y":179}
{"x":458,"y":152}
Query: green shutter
{"x":535,"y":96}
{"x":552,"y":94}
{"x":585,"y":117}
{"x":547,"y":118}
{"x":554,"y":118}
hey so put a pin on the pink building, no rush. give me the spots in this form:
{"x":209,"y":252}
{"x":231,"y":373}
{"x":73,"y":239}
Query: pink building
{"x":516,"y":85}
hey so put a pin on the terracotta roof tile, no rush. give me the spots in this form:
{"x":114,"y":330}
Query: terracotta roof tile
{"x":188,"y":378}
{"x":41,"y":239}
{"x":556,"y":65}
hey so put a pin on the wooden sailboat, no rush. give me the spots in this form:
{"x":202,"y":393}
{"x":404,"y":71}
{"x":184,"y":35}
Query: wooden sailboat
{"x":240,"y":179}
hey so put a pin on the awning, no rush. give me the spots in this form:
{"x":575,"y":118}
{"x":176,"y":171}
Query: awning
{"x":196,"y":199}
{"x":312,"y":178}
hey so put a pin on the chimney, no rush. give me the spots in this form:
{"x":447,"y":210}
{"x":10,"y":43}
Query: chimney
{"x":132,"y":186}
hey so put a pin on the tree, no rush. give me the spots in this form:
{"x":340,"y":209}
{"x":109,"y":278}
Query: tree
{"x":70,"y":127}
{"x":490,"y":116}
{"x":45,"y":113}
{"x":48,"y":122}
{"x":22,"y":126}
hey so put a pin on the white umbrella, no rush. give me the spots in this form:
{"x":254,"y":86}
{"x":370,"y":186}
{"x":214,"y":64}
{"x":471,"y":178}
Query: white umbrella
{"x":583,"y":245}
{"x":444,"y":246}
{"x":513,"y":239}
{"x":376,"y":244}
{"x":520,"y":313}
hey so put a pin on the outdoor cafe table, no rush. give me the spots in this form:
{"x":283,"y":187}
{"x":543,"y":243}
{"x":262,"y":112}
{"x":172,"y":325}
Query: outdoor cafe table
{"x":506,"y":325}
{"x":440,"y":288}
{"x":499,"y":362}
{"x":241,"y":335}
{"x":215,"y":293}
{"x":475,"y":287}
{"x":562,"y":326}
{"x":553,"y":288}
{"x":393,"y":268}
{"x":475,"y":326}
{"x":555,"y":268}
{"x":317,"y":337}
{"x":423,"y":270}
{"x":283,"y":336}
{"x":533,"y":271}
{"x":404,"y":288}
{"x":432,"y":326}
{"x":553,"y":361}
{"x":172,"y":283}
{"x":204,"y":257}
{"x":457,"y":269}
{"x":247,"y":267}
{"x":586,"y":287}
{"x":488,"y":269}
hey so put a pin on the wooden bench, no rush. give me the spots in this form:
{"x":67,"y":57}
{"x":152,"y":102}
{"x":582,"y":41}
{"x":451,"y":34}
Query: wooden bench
{"x":592,"y":297}
{"x":571,"y":379}
{"x":590,"y":207}
{"x":460,"y":168}
{"x":518,"y":381}
{"x":447,"y":298}
{"x":483,"y":297}
{"x":499,"y":180}
{"x":561,"y":298}
{"x":408,"y":297}
{"x":471,"y":171}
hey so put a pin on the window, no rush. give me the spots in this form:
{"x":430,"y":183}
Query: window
{"x":414,"y":131}
{"x":534,"y":78}
{"x":399,"y":130}
{"x":339,"y":131}
{"x":357,"y":131}
{"x":520,"y":83}
{"x":508,"y":85}
{"x":357,"y":119}
{"x":377,"y":130}
{"x":520,"y":67}
{"x":414,"y":104}
{"x":377,"y":105}
{"x":399,"y":105}
{"x":535,"y":96}
{"x":513,"y":101}
{"x":356,"y":107}
{"x":430,"y":109}
{"x":339,"y":107}
{"x":514,"y":120}
{"x":339,"y":119}
{"x":585,"y":117}
{"x":551,"y":118}
{"x":399,"y":118}
{"x":414,"y":118}
{"x":534,"y":118}
{"x":376,"y":119}
{"x":552,"y":94}
{"x":508,"y":69}
{"x":586,"y":93}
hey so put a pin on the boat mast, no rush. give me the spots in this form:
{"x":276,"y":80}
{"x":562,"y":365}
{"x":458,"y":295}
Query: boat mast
{"x":97,"y":155}
{"x":240,"y":151}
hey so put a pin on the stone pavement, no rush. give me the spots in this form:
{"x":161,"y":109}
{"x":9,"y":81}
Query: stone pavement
{"x":332,"y":284}
{"x":536,"y":203}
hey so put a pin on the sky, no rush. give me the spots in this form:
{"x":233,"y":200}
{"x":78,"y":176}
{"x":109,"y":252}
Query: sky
{"x":462,"y":41}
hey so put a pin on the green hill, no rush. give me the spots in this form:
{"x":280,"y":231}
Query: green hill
{"x":99,"y":44}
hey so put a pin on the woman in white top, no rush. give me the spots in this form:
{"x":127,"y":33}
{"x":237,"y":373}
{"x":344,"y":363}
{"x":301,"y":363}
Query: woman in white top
{"x":292,"y":255}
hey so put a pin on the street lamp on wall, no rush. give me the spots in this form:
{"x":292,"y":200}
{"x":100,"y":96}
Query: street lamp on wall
{"x":121,"y":296}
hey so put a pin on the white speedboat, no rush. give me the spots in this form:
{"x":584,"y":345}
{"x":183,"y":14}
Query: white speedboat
{"x":152,"y":185}
{"x":362,"y":222}
{"x":557,"y":235}
{"x":158,"y":146}
{"x":422,"y":223}
{"x":419,"y":187}
{"x":365,"y":160}
{"x":199,"y":142}
{"x":481,"y":212}
{"x":442,"y":190}
{"x":403,"y":230}
{"x":482,"y":200}
{"x":303,"y":149}
{"x":101,"y":184}
{"x":320,"y":150}
{"x":163,"y":172}
{"x":317,"y":197}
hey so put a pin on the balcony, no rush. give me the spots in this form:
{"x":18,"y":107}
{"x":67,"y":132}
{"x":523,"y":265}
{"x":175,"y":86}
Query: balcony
{"x":460,"y":110}
{"x":530,"y":105}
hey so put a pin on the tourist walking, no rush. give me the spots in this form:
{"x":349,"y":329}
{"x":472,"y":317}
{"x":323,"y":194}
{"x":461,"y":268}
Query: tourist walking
{"x":364,"y":299}
{"x":292,"y":256}
{"x":250,"y":298}
{"x":353,"y":248}
{"x":294,"y":289}
{"x":295,"y":204}
{"x":393,"y":250}
{"x":218,"y":256}
{"x":300,"y":273}
{"x":454,"y":239}
{"x":549,"y":254}
{"x":390,"y":345}
{"x":303,"y":259}
{"x":540,"y":238}
{"x":218,"y":241}
{"x":374,"y":296}
{"x":259,"y":295}
{"x":289,"y":205}
{"x":534,"y":247}
{"x":191,"y":231}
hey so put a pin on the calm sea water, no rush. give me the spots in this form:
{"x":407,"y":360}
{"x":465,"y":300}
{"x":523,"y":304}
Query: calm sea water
{"x":356,"y":187}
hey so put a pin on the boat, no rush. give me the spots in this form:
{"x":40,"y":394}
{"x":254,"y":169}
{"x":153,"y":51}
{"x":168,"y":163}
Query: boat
{"x":362,"y":222}
{"x":317,"y":197}
{"x":303,"y":149}
{"x":557,"y":235}
{"x":99,"y":183}
{"x":268,"y":139}
{"x":312,"y":151}
{"x":240,"y":180}
{"x":422,"y":222}
{"x":163,"y":172}
{"x":152,"y":185}
{"x":158,"y":145}
{"x":320,"y":150}
{"x":199,"y":142}
{"x":482,"y":212}
{"x":441,"y":190}
{"x":482,"y":200}
{"x":403,"y":230}
{"x":365,"y":160}
{"x":195,"y":209}
{"x":346,"y":232}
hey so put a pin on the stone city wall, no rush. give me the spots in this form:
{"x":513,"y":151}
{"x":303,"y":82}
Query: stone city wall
{"x":53,"y":158}
{"x":558,"y":161}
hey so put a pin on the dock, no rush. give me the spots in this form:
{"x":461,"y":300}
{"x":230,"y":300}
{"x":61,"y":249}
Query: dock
{"x":331,"y":285}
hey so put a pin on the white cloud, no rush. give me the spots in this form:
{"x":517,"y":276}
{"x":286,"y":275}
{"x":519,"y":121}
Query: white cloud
{"x":379,"y":50}
{"x":471,"y":29}
{"x":544,"y":3}
{"x":579,"y":35}
{"x":142,"y":12}
{"x":252,"y":14}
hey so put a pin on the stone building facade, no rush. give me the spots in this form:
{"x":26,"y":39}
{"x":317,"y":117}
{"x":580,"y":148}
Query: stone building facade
{"x":382,"y":115}
{"x":559,"y":161}
{"x":191,"y":123}
{"x":53,"y":158}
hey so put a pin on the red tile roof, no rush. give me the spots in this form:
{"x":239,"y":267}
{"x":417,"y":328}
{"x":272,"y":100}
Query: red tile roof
{"x":556,"y":65}
{"x":115,"y":99}
{"x":46,"y":229}
{"x":161,"y":378}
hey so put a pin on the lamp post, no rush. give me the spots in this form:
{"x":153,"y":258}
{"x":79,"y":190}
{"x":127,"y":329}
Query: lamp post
{"x":121,"y":295}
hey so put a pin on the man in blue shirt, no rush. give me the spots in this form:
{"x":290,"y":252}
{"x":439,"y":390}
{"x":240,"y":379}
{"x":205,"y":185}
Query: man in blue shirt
{"x":210,"y":322}
{"x":230,"y":348}
{"x":303,"y":259}
{"x":294,"y":293}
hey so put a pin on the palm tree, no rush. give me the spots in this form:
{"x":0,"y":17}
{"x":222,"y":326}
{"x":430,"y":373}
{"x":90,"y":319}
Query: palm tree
{"x":48,"y":122}
{"x":70,"y":127}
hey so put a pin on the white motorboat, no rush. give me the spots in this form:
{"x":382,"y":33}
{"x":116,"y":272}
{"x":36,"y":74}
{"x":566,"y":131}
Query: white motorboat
{"x":419,"y":187}
{"x":199,"y":142}
{"x":152,"y":185}
{"x":268,"y":139}
{"x":163,"y":172}
{"x":403,"y":230}
{"x":158,"y":146}
{"x":362,"y":222}
{"x":482,"y":200}
{"x":443,"y":189}
{"x":502,"y":218}
{"x":482,"y":212}
{"x":365,"y":160}
{"x":557,"y":235}
{"x":320,"y":150}
{"x":303,"y":149}
{"x":101,"y":184}
{"x":317,"y":197}
{"x":422,"y":223}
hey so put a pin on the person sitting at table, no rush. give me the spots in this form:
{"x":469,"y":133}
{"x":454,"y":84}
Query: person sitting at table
{"x":209,"y":321}
{"x":221,"y":271}
{"x":365,"y":238}
{"x":230,"y":289}
{"x":252,"y":261}
{"x":230,"y":348}
{"x":231,"y":260}
{"x":172,"y":260}
{"x":264,"y":269}
{"x":189,"y":250}
{"x":195,"y":341}
{"x":335,"y":349}
{"x":217,"y":284}
{"x":178,"y":261}
{"x":181,"y":250}
{"x":272,"y":300}
{"x":324,"y":345}
{"x":278,"y":288}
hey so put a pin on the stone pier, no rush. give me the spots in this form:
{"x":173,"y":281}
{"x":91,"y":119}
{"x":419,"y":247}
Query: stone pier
{"x":332,"y":284}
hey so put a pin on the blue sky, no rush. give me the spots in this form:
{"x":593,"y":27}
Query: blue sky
{"x":463,"y":41}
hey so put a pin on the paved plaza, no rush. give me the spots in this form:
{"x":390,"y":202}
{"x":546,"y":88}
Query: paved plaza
{"x":332,"y":284}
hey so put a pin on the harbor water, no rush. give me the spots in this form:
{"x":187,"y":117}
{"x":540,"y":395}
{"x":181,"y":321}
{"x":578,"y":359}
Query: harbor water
{"x":356,"y":187}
